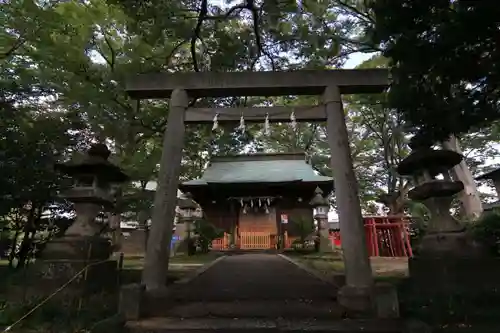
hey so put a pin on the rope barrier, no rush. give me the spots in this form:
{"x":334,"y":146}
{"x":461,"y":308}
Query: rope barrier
{"x":8,"y":328}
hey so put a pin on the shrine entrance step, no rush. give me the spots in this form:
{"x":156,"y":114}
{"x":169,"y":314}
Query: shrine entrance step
{"x":246,"y":325}
{"x":245,"y":251}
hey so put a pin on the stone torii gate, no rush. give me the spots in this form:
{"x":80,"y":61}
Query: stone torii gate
{"x":356,"y":294}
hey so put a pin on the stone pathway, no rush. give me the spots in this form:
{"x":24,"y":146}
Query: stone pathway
{"x":254,"y":293}
{"x":254,"y":286}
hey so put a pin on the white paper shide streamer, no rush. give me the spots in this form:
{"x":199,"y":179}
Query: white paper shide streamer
{"x":267,"y":127}
{"x":293,"y":121}
{"x":242,"y":124}
{"x":216,"y":122}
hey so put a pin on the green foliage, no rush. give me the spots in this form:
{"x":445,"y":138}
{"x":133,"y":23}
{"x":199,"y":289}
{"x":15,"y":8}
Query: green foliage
{"x":487,"y":231}
{"x":438,"y":65}
{"x":304,"y":226}
{"x":206,"y":233}
{"x":63,"y":315}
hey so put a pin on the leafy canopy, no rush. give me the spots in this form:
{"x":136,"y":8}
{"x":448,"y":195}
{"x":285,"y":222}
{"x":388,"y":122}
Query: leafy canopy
{"x":445,"y":63}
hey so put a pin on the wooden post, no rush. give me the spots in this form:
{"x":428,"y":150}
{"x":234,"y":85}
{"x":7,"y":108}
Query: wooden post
{"x":158,"y":250}
{"x":356,"y":294}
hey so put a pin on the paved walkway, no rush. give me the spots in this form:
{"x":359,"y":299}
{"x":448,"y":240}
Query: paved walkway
{"x":254,"y":286}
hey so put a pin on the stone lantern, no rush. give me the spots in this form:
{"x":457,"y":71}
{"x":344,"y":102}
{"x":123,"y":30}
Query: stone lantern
{"x":96,"y":183}
{"x":321,"y":206}
{"x":187,"y":209}
{"x":446,"y":253}
{"x":443,"y":231}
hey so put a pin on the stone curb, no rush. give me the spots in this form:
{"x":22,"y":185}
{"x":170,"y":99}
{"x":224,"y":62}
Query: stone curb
{"x":199,"y":271}
{"x":308,"y":270}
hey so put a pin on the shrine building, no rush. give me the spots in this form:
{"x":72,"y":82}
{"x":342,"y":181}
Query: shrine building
{"x":256,"y":198}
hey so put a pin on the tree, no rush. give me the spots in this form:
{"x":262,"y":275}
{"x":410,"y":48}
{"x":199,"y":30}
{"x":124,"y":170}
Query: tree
{"x":438,"y":65}
{"x":30,"y":138}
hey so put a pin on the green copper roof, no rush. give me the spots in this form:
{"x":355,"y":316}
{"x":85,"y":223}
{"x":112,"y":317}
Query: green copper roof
{"x":259,"y":168}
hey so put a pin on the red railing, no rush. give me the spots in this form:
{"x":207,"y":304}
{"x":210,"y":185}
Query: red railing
{"x":221,"y":244}
{"x":386,"y":236}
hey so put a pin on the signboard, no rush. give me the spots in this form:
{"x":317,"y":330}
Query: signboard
{"x":284,"y":218}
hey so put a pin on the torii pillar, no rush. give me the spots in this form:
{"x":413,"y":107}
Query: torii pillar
{"x":357,"y":293}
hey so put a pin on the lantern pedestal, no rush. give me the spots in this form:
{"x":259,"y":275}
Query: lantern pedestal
{"x":75,"y":247}
{"x":322,"y":206}
{"x":84,"y":260}
{"x":325,"y":245}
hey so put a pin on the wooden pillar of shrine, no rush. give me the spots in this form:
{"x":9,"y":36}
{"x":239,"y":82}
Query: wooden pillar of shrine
{"x":356,"y":294}
{"x":157,"y":254}
{"x":234,"y":223}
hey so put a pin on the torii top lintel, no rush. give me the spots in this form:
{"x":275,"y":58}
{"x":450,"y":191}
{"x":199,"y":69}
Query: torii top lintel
{"x":226,"y":84}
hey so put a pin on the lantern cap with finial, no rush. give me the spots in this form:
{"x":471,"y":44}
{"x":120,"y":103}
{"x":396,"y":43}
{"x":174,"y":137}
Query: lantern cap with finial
{"x":318,"y":199}
{"x":187,"y":207}
{"x":187,"y":202}
{"x":94,"y":162}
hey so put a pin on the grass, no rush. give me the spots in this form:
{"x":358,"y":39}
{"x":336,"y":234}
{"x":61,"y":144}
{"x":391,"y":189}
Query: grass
{"x":332,"y":264}
{"x":63,"y":316}
{"x":444,"y":314}
{"x":137,"y":261}
{"x":180,"y":266}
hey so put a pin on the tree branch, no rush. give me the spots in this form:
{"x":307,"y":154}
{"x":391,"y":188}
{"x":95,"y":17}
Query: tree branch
{"x":356,"y":12}
{"x":17,"y":44}
{"x":228,"y":14}
{"x":111,"y":50}
{"x":196,"y":34}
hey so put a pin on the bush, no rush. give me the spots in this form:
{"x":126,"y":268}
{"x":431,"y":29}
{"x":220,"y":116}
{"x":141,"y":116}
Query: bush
{"x":487,"y":231}
{"x":206,"y":233}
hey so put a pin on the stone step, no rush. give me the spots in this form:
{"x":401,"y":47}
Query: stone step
{"x":248,"y":325}
{"x":253,"y":309}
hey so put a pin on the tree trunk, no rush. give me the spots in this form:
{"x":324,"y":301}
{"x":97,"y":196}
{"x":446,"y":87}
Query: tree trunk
{"x":27,"y":242}
{"x":469,"y":197}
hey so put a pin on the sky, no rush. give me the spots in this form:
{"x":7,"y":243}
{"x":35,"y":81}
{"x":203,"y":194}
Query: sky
{"x":357,"y":58}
